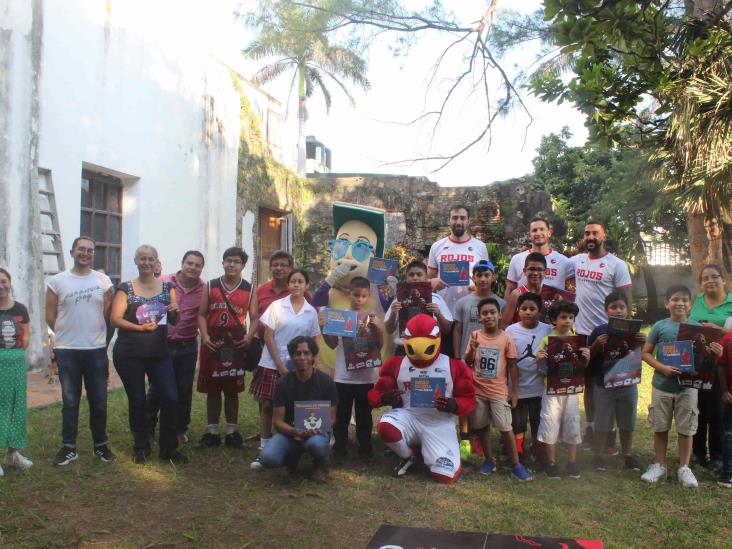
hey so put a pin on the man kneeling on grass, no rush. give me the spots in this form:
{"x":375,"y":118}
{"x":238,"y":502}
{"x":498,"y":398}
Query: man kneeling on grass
{"x":298,"y":388}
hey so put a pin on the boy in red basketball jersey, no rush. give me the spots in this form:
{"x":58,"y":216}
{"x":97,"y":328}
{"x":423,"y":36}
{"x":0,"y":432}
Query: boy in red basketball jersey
{"x":224,"y":338}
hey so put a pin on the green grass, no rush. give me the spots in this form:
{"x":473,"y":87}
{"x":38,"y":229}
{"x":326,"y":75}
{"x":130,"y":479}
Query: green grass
{"x":216,"y":501}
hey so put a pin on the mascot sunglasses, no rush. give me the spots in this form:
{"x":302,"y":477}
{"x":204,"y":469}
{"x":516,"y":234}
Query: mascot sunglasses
{"x":360,"y":251}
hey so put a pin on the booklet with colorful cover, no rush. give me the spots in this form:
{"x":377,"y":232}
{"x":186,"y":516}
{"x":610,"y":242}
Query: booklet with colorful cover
{"x":550,"y":294}
{"x":363,"y":351}
{"x":617,"y":325}
{"x":380,"y":269}
{"x":312,"y":414}
{"x":424,"y":390}
{"x":340,"y":322}
{"x":621,"y":355}
{"x":152,"y":311}
{"x":678,"y":354}
{"x":414,"y":297}
{"x":455,"y":273}
{"x":565,"y":366}
{"x":705,"y":361}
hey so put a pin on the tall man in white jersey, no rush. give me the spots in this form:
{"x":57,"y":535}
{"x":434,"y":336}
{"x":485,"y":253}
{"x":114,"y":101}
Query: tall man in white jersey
{"x":460,"y":245}
{"x":559,"y":268}
{"x":597,"y":273}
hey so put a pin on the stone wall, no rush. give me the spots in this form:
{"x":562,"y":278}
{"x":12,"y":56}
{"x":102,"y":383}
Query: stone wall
{"x":417,"y":211}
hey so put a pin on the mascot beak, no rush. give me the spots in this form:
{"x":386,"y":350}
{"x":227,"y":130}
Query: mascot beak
{"x":422,"y":341}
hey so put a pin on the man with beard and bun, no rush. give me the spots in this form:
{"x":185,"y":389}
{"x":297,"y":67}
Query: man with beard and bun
{"x":559,"y":268}
{"x":597,"y":274}
{"x":459,"y":245}
{"x":408,"y":423}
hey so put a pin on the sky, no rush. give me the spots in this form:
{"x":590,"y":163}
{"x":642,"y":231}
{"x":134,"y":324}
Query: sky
{"x":373,"y":136}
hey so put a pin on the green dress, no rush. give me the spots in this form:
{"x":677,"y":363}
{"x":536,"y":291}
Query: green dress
{"x":13,"y":377}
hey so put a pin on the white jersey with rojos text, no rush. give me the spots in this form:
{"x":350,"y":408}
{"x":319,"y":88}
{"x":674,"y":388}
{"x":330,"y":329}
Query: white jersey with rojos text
{"x":447,"y":249}
{"x":595,"y":279}
{"x":558,"y":269}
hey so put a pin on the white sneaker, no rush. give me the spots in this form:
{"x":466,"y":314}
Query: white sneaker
{"x":16,"y":459}
{"x":687,"y":478}
{"x":256,"y":464}
{"x":2,"y":473}
{"x":654,"y":473}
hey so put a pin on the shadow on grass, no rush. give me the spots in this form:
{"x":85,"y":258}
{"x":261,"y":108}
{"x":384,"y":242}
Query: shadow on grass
{"x":217,"y":501}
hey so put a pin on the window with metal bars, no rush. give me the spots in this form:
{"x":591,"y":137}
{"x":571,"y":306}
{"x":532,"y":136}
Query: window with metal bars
{"x":101,"y":218}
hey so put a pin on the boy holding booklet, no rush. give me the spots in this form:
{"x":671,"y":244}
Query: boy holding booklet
{"x":353,"y":384}
{"x":560,"y":413}
{"x":492,"y":355}
{"x":669,"y":400}
{"x":616,"y":404}
{"x":417,"y":272}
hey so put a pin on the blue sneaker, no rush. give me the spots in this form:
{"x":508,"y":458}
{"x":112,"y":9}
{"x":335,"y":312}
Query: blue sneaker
{"x":488,"y":467}
{"x":519,"y":472}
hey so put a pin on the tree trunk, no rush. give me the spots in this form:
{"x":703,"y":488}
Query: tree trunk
{"x":302,"y":115}
{"x":698,"y":243}
{"x":651,"y":293}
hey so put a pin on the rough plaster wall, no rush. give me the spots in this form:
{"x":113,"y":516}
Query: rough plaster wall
{"x":21,"y":31}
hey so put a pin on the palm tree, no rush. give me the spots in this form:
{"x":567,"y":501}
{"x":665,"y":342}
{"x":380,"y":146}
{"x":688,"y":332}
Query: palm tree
{"x":300,"y":41}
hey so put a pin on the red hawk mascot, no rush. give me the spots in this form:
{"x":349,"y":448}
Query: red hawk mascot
{"x":404,"y":382}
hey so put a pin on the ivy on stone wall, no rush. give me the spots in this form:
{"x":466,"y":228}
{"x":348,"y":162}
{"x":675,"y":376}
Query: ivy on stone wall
{"x":262,"y":181}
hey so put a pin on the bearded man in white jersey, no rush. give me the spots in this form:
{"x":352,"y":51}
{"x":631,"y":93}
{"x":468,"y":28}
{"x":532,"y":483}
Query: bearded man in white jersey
{"x":559,"y":269}
{"x":597,"y":273}
{"x":459,"y":245}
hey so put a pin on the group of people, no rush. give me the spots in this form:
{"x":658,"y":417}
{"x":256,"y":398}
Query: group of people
{"x":490,"y":352}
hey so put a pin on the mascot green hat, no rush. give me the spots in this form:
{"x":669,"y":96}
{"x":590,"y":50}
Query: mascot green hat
{"x":373,"y":217}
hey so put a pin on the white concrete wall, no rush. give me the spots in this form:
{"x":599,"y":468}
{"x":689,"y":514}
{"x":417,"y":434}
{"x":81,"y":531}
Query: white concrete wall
{"x":131,"y":88}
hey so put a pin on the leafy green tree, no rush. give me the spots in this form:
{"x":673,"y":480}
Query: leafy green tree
{"x":663,"y":66}
{"x":300,"y":40}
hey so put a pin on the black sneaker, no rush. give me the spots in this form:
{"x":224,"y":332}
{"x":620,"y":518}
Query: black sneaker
{"x":631,"y":464}
{"x":209,"y":440}
{"x":175,"y":456}
{"x":140,"y":455}
{"x":573,"y":470}
{"x":104,"y":453}
{"x":725,"y":480}
{"x":234,"y":440}
{"x":65,"y":455}
{"x":714,"y":465}
{"x":598,"y":463}
{"x":552,"y":471}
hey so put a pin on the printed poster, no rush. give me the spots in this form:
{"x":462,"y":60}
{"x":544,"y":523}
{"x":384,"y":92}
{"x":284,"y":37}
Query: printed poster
{"x":414,"y":297}
{"x":363,"y":351}
{"x":455,"y":273}
{"x":705,"y":361}
{"x":678,"y":354}
{"x":389,"y":536}
{"x":340,"y":322}
{"x":622,"y":363}
{"x":550,"y":294}
{"x":312,"y":414}
{"x":565,"y":365}
{"x":424,"y":390}
{"x":152,"y":311}
{"x":380,"y":269}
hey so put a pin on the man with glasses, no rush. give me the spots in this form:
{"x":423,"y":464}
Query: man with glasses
{"x":559,"y":269}
{"x":77,"y":308}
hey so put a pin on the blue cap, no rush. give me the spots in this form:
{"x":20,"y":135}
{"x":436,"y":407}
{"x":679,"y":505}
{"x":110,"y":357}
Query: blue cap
{"x":484,"y":264}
